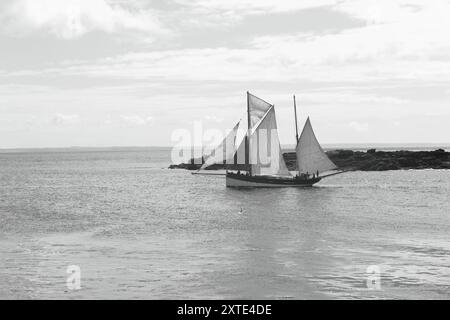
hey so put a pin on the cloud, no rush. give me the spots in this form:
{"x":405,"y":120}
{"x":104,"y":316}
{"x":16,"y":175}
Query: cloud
{"x":390,"y":46}
{"x":385,"y":11}
{"x":394,"y":62}
{"x":73,"y":18}
{"x":213,"y":118}
{"x":348,"y":97}
{"x":65,"y":119}
{"x":359,"y":126}
{"x":249,"y":7}
{"x":136,"y":120}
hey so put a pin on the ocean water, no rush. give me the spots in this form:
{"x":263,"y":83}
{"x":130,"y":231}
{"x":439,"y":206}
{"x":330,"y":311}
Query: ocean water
{"x":138,"y":230}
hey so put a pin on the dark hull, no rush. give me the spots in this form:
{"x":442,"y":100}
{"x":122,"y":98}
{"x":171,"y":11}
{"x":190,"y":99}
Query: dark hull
{"x":244,"y":181}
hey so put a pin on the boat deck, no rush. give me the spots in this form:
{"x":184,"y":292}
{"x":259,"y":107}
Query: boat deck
{"x":244,"y":180}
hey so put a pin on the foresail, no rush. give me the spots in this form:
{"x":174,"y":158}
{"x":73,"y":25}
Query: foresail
{"x":224,"y":151}
{"x":310,"y":155}
{"x":265,"y":150}
{"x":257,"y":108}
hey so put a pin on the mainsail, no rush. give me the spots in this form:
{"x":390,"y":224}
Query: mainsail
{"x":224,"y":151}
{"x":265,"y":149}
{"x":310,"y":155}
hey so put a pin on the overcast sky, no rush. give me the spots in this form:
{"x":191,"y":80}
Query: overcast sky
{"x":116,"y":72}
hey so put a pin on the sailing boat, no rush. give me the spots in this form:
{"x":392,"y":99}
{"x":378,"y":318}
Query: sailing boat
{"x":258,"y":161}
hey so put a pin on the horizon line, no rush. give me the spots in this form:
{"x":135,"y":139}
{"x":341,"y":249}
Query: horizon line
{"x":361,"y":144}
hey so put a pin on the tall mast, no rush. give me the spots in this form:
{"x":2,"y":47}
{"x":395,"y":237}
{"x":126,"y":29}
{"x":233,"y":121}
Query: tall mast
{"x":296,"y":126}
{"x":247,"y":138}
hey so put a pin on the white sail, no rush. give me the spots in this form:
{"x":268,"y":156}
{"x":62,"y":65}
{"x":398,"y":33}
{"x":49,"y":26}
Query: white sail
{"x":224,"y":151}
{"x":310,"y":155}
{"x":257,"y":109}
{"x":241,"y":149}
{"x":266,"y":156}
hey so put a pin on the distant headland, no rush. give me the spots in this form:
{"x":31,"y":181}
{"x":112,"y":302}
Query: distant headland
{"x":370,"y":160}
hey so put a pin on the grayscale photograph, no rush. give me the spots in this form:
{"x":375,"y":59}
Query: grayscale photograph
{"x":224,"y":150}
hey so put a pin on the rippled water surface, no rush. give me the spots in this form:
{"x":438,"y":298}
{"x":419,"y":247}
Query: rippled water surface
{"x":138,"y":230}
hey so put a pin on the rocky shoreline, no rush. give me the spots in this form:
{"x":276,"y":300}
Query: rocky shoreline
{"x":371,"y":160}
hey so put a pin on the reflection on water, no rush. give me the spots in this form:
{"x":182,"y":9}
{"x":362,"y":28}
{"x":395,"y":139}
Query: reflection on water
{"x":140,"y":231}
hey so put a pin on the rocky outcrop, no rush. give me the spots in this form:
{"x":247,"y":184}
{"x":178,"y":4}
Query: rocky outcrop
{"x":371,"y":160}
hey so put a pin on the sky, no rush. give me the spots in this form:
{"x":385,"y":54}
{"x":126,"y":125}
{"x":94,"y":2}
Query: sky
{"x":130,"y":73}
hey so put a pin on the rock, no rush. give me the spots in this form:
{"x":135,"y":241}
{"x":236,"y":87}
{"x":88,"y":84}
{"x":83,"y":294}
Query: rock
{"x":406,"y":162}
{"x":341,"y":154}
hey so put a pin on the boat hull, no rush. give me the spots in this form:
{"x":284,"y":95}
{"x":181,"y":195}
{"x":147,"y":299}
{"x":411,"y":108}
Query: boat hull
{"x":244,"y":181}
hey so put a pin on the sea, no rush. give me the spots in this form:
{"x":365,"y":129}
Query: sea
{"x":115,"y":223}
